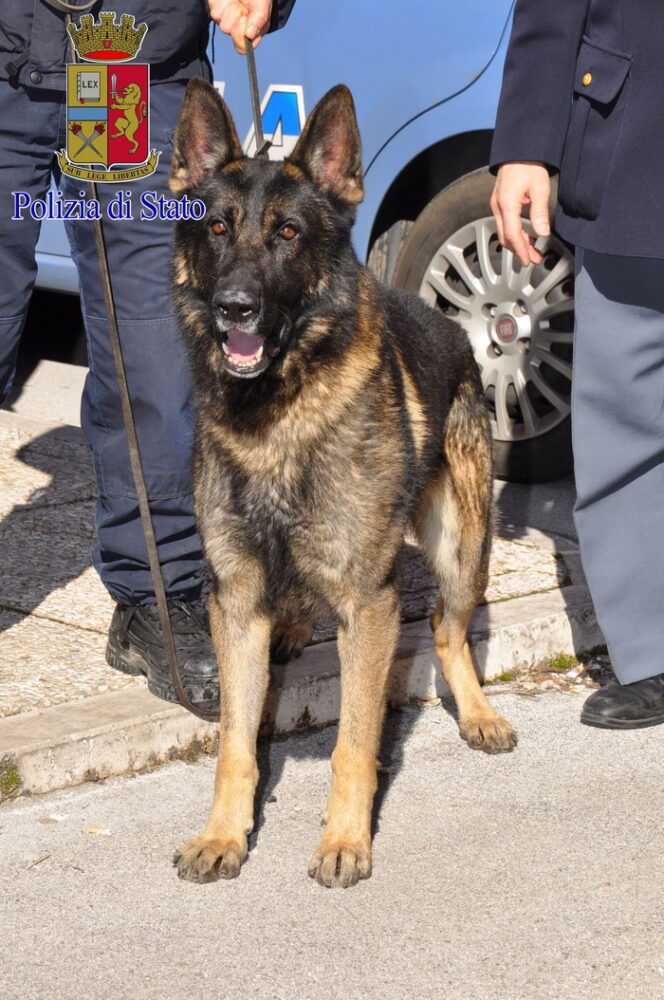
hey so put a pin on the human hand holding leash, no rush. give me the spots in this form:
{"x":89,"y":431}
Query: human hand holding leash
{"x":242,"y":19}
{"x":520,"y":184}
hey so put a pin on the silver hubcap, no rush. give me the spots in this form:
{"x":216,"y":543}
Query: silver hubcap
{"x":519,"y":321}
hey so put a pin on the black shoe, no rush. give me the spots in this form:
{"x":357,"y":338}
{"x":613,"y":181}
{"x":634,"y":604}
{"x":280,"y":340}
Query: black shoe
{"x":135,"y":646}
{"x":626,"y":706}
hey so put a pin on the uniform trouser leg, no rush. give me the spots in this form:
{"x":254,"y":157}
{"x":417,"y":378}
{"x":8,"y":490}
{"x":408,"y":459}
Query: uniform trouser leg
{"x":159,"y":382}
{"x":618,"y":436}
{"x":25,"y":165}
{"x":32,"y":126}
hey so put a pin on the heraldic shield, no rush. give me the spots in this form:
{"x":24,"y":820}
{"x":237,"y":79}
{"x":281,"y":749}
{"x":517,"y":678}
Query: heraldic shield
{"x":108,"y":110}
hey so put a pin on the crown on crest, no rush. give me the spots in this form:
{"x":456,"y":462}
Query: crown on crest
{"x":107,"y":41}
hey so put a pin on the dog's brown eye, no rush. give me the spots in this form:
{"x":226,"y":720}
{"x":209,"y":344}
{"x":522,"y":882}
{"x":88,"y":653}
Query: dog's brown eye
{"x":288,"y":232}
{"x":218,"y":228}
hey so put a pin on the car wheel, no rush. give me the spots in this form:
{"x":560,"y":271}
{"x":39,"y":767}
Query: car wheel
{"x":520,"y":322}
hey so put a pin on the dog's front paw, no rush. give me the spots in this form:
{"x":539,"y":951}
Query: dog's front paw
{"x":336,"y":864}
{"x":491,"y":733}
{"x":206,"y":858}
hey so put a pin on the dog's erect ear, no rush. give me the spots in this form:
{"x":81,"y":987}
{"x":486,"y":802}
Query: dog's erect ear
{"x":205,"y":137}
{"x":329,"y":149}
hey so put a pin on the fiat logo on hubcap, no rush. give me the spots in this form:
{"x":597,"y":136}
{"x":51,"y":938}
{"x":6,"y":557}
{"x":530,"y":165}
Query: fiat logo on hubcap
{"x":506,"y":329}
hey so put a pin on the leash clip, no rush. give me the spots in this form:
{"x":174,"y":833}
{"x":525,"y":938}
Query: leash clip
{"x":262,"y":144}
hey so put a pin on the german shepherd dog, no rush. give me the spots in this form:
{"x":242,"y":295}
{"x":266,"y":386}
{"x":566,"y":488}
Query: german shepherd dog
{"x":333,"y":415}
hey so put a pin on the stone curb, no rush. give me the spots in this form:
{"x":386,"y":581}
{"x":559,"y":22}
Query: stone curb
{"x":128,"y":730}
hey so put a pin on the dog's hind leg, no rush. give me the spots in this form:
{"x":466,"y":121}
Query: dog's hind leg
{"x":289,"y":639}
{"x":241,"y":635}
{"x":454,"y":524}
{"x":367,"y":641}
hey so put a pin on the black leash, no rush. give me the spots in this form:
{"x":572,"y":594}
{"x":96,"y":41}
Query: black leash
{"x":139,"y":477}
{"x":128,"y":417}
{"x":262,"y":146}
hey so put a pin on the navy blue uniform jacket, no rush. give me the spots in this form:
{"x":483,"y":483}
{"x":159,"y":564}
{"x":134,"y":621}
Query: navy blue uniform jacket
{"x":583,"y":91}
{"x":33,"y":37}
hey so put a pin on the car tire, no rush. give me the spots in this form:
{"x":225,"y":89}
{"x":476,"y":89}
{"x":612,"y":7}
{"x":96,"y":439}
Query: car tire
{"x":532,"y":441}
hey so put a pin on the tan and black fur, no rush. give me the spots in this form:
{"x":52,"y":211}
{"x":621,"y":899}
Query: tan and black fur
{"x":359,"y":415}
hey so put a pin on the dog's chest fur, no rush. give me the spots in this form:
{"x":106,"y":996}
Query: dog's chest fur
{"x":313,"y":498}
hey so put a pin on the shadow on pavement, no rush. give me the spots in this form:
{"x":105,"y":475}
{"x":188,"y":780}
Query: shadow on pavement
{"x":53,"y":332}
{"x":397,"y":728}
{"x":38,"y":559}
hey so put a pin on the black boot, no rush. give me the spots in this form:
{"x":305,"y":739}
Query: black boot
{"x":136,"y":646}
{"x":626,"y":706}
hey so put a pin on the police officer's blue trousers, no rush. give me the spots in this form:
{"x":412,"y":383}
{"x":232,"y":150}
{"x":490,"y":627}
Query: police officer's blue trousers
{"x":32,"y":126}
{"x":618,"y":435}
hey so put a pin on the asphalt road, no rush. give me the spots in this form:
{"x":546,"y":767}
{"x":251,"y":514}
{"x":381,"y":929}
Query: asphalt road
{"x":529,"y":876}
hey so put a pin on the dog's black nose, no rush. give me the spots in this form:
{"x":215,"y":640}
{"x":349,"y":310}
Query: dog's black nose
{"x":237,"y":304}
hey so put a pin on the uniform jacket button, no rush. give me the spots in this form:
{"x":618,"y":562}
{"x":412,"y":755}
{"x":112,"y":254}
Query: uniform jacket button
{"x":36,"y":76}
{"x":587,"y":79}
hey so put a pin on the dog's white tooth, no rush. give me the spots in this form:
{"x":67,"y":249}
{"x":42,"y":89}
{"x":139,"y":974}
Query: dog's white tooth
{"x":224,"y":347}
{"x":259,"y":353}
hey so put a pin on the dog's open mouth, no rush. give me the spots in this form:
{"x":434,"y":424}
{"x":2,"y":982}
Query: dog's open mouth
{"x":246,"y":354}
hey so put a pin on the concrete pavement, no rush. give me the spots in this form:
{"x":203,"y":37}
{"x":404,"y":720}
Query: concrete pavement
{"x":530,"y":876}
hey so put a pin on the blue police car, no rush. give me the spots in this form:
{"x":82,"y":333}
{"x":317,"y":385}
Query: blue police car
{"x":426,"y":95}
